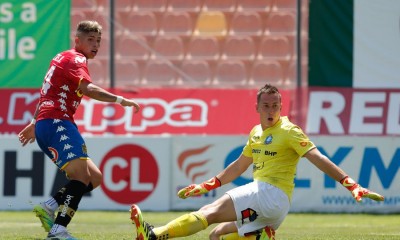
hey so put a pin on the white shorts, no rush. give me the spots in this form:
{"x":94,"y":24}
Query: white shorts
{"x":257,"y":205}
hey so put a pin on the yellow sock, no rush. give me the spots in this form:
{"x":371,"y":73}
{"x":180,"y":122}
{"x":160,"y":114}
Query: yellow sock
{"x":230,"y":236}
{"x":251,"y":237}
{"x":184,"y":225}
{"x":235,"y":236}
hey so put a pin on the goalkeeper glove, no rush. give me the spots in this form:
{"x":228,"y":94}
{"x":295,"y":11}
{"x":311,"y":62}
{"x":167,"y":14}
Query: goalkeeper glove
{"x":359,"y":192}
{"x":199,"y":189}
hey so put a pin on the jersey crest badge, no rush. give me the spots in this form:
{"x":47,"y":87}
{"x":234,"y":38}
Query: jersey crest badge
{"x":268,"y":140}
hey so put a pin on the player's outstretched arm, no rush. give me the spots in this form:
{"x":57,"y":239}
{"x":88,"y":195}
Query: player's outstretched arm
{"x":359,"y":192}
{"x":93,"y":91}
{"x":332,"y":170}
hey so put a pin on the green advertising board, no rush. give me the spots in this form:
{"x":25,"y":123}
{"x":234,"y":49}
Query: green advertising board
{"x":31,"y":34}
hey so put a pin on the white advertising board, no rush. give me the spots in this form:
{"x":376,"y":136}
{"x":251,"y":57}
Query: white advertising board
{"x":135,"y":170}
{"x":199,"y":158}
{"x":148,"y":170}
{"x":374,"y":162}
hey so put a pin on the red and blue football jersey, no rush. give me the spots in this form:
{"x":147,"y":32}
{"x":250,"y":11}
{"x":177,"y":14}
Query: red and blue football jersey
{"x":60,"y":95}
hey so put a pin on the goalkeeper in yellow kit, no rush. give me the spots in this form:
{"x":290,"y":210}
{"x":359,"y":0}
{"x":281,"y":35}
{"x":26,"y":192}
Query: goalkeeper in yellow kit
{"x":257,"y":209}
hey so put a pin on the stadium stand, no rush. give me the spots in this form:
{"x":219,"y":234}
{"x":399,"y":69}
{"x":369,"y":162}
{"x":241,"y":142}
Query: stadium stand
{"x":239,"y":47}
{"x":275,"y":48}
{"x":211,"y":24}
{"x":149,"y":5}
{"x":284,"y":5}
{"x":281,"y":23}
{"x":98,"y":69}
{"x":132,"y":47}
{"x":255,"y":5}
{"x":159,"y":72}
{"x":184,"y":5}
{"x":266,"y":70}
{"x":128,"y":73}
{"x":230,"y":73}
{"x":176,"y":23}
{"x":168,"y":47}
{"x":142,"y":23}
{"x":203,"y":47}
{"x":227,"y":43}
{"x":246,"y":23}
{"x":195,"y":73}
{"x":228,"y":6}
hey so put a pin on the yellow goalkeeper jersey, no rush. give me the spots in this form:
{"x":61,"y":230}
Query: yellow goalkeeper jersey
{"x":276,"y":152}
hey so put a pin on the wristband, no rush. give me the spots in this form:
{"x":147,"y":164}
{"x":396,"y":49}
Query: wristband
{"x":119,"y":99}
{"x":349,"y":183}
{"x":33,"y":121}
{"x":211,"y":184}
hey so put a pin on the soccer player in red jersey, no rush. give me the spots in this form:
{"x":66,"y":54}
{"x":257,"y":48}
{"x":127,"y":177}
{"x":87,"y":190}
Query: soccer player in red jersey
{"x":66,"y":82}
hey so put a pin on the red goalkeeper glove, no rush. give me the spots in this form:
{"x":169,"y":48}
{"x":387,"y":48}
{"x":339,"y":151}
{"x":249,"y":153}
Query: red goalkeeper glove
{"x":359,"y":192}
{"x":199,"y":189}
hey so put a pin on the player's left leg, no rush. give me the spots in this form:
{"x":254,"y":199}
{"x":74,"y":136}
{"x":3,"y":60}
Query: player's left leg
{"x":46,"y":210}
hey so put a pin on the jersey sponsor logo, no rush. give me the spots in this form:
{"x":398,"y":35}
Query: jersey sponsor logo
{"x":54,"y":153}
{"x":249,"y":215}
{"x":269,"y":153}
{"x":256,"y":151}
{"x":67,"y":202}
{"x":79,"y":93}
{"x":303,"y":144}
{"x":84,"y":148}
{"x":47,"y":103}
{"x":258,"y":166}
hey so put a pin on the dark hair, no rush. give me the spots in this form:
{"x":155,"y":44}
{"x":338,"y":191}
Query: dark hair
{"x":85,"y":27}
{"x":268,"y":89}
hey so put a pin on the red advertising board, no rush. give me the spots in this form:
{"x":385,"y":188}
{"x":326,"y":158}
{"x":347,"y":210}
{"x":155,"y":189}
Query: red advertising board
{"x":169,"y":111}
{"x":350,"y":111}
{"x":320,"y":111}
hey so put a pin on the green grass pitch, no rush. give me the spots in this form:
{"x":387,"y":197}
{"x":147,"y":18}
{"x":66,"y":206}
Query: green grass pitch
{"x":116,"y":225}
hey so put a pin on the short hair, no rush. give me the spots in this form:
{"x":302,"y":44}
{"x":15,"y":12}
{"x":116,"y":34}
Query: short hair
{"x":268,"y":89}
{"x":85,"y":27}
